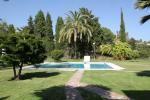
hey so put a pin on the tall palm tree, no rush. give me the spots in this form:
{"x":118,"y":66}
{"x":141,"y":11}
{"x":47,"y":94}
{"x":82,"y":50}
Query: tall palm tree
{"x":143,"y":4}
{"x":76,"y":27}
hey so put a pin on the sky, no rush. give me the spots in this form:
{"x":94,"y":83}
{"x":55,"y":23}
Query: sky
{"x":108,"y":11}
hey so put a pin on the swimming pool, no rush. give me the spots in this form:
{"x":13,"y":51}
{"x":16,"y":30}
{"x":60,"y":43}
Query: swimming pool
{"x":71,"y":66}
{"x":74,"y":65}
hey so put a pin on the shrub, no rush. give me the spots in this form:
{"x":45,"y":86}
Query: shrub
{"x":136,"y":54}
{"x":122,"y":51}
{"x":57,"y":54}
{"x":105,"y":49}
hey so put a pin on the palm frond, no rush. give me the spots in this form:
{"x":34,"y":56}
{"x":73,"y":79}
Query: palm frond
{"x":142,"y":4}
{"x":144,"y":19}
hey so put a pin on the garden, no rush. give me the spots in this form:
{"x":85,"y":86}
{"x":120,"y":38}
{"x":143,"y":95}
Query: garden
{"x":78,"y":34}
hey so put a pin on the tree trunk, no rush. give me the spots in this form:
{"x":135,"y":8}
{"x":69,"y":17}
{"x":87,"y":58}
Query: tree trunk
{"x":19,"y":73}
{"x":75,"y":50}
{"x":14,"y":70}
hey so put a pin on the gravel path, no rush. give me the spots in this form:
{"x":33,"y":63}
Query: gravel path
{"x":71,"y":92}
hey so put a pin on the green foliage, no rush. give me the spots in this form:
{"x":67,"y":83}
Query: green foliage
{"x":39,"y":27}
{"x":132,"y":42}
{"x":76,"y":27}
{"x":31,"y":25}
{"x":144,"y":50}
{"x":59,"y":26}
{"x":122,"y":29}
{"x":49,"y":33}
{"x":57,"y":54}
{"x":107,"y":36}
{"x":143,"y":4}
{"x":96,"y":28}
{"x":22,"y":49}
{"x":48,"y":27}
{"x":48,"y":43}
{"x":105,"y":49}
{"x":11,"y":29}
{"x":135,"y":54}
{"x":122,"y":51}
{"x":76,"y":30}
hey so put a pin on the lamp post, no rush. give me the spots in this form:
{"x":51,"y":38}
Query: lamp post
{"x":94,"y":49}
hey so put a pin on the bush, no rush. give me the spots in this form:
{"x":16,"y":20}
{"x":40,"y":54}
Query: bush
{"x":105,"y":49}
{"x":122,"y":51}
{"x":57,"y":54}
{"x":144,"y":53}
{"x":135,"y":54}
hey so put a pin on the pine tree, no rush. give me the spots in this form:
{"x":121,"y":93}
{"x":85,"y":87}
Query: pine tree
{"x":31,"y":25}
{"x":59,"y":25}
{"x":39,"y":27}
{"x":48,"y":27}
{"x":122,"y":29}
{"x":49,"y":32}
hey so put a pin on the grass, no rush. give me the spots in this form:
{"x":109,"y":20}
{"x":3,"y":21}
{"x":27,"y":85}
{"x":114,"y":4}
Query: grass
{"x":36,"y":85}
{"x":49,"y":84}
{"x":89,"y":95}
{"x":134,"y":81}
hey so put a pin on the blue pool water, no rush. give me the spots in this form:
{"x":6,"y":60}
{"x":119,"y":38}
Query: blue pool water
{"x":74,"y":65}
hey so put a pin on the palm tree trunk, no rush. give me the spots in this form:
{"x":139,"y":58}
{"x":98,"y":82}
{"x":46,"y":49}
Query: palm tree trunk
{"x":75,"y":50}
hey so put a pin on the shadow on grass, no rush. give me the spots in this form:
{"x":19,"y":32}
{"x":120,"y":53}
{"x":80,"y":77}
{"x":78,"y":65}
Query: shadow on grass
{"x":4,"y":68}
{"x":144,"y":73}
{"x":87,"y":95}
{"x":38,"y":75}
{"x":138,"y":94}
{"x":59,"y":93}
{"x":4,"y":98}
{"x":52,"y":93}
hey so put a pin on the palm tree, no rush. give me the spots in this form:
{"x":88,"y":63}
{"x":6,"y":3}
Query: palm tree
{"x":75,"y":28}
{"x":142,"y":4}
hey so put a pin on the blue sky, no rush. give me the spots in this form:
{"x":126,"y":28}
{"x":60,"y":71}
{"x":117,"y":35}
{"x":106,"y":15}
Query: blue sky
{"x":17,"y":12}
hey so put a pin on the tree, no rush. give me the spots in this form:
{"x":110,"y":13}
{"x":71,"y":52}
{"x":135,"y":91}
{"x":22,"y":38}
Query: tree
{"x":59,"y":26}
{"x":122,"y":32}
{"x":48,"y":27}
{"x":31,"y":25}
{"x":75,"y":29}
{"x":22,"y":49}
{"x":49,"y":31}
{"x":39,"y":27}
{"x":132,"y":42}
{"x":107,"y":36}
{"x":11,"y":29}
{"x":96,"y":30}
{"x":143,"y":4}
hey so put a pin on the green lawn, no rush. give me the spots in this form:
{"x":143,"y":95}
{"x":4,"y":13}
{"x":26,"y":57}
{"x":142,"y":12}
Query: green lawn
{"x":134,"y":81}
{"x":37,"y":85}
{"x":49,"y":84}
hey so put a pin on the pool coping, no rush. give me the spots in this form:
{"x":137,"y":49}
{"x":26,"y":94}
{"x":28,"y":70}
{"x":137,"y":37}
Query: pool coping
{"x":114,"y":66}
